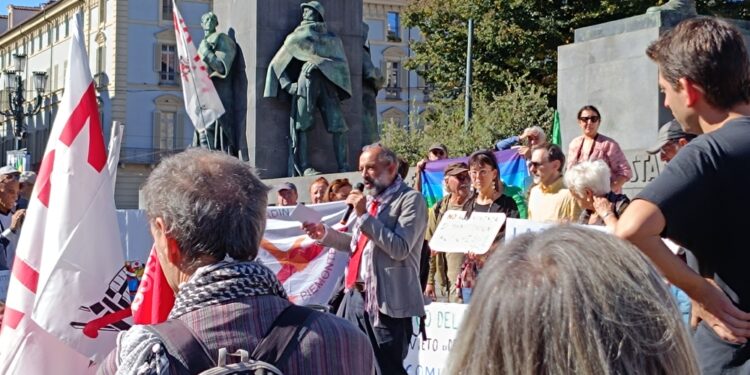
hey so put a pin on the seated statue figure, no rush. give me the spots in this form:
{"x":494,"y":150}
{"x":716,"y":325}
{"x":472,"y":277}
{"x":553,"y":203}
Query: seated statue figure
{"x":312,"y":67}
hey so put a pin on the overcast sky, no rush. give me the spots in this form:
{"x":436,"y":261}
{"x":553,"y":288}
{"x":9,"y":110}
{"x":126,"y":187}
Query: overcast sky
{"x":29,"y":3}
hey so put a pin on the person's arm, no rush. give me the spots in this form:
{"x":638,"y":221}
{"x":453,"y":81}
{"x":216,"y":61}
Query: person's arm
{"x":507,"y":143}
{"x":328,"y":236}
{"x":642,"y":224}
{"x":402,"y":240}
{"x":620,"y":167}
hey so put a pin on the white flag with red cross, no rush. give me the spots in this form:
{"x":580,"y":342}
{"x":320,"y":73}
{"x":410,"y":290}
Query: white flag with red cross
{"x":202,"y":102}
{"x":68,"y":296}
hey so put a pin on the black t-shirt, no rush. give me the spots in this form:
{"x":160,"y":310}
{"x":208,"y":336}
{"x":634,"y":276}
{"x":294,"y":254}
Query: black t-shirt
{"x":703,"y":195}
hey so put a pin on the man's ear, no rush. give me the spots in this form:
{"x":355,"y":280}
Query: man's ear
{"x":163,"y":240}
{"x":692,"y":91}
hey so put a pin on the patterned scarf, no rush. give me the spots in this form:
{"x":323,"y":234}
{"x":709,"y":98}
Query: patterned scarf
{"x":371,"y":296}
{"x":225,"y":281}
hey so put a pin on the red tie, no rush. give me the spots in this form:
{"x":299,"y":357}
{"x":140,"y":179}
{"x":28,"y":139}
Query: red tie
{"x":355,"y":260}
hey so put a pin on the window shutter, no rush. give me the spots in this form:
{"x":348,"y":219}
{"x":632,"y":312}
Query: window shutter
{"x":157,"y":58}
{"x":156,"y":130}
{"x":179,"y":131}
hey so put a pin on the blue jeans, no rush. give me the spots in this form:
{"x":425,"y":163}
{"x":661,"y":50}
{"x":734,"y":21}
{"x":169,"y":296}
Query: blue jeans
{"x":466,"y":295}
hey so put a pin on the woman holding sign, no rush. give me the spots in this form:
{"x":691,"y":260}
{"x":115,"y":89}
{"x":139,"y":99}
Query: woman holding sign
{"x":488,"y":197}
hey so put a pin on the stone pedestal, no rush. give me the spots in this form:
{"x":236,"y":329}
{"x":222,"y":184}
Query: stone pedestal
{"x":607,"y":67}
{"x":260,"y":27}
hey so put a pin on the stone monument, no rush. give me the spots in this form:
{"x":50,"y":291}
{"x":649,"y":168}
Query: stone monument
{"x":686,"y":7}
{"x":218,"y":50}
{"x":312,"y":67}
{"x":260,"y":28}
{"x":607,"y":67}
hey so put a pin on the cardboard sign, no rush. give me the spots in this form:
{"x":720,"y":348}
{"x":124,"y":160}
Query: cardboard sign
{"x":456,"y":234}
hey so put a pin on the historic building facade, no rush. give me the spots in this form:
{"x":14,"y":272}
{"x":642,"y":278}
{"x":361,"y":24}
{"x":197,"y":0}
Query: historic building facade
{"x":133,"y":59}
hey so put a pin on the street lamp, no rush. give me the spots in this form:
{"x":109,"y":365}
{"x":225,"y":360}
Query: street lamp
{"x":16,"y":101}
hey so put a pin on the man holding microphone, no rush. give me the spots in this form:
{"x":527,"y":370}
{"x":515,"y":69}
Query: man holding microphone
{"x":383,"y":292}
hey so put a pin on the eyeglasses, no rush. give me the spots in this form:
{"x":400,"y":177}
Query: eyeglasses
{"x":589,"y":118}
{"x":536,"y":164}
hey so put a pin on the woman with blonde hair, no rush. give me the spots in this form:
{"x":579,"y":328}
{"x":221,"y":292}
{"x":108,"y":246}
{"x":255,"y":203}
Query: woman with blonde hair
{"x":570,"y":300}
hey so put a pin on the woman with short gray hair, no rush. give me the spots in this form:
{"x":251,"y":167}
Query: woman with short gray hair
{"x":589,"y":182}
{"x":570,"y":300}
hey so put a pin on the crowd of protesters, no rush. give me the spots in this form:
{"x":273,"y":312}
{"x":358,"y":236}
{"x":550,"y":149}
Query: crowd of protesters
{"x":563,"y":300}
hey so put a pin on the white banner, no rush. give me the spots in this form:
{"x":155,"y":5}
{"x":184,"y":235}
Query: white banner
{"x":308,"y":270}
{"x":517,"y":227}
{"x":457,"y":234}
{"x":442,"y":321}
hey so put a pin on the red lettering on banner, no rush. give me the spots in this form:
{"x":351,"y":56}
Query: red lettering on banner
{"x":45,"y":170}
{"x":28,"y":276}
{"x":11,"y":317}
{"x":87,"y":109}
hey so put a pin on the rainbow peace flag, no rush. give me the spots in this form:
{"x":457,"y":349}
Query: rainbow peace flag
{"x":513,"y":173}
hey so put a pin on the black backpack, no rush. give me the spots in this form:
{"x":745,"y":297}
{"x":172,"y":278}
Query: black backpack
{"x":188,"y":354}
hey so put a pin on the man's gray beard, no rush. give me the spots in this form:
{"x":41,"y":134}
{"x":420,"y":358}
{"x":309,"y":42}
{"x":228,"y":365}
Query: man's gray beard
{"x":379,"y":186}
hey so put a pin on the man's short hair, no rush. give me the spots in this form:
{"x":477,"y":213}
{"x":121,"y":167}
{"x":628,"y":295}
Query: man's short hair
{"x":709,"y":52}
{"x":554,"y":152}
{"x":212,"y":204}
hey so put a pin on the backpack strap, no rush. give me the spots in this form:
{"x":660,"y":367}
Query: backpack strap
{"x":181,"y":344}
{"x":284,"y":335}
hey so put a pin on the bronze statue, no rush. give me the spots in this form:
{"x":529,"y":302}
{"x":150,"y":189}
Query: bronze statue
{"x":686,"y":7}
{"x":218,"y":50}
{"x":372,"y":82}
{"x":312,"y":67}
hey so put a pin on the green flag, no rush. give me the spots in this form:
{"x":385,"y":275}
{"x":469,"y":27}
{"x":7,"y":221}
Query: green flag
{"x":556,"y":133}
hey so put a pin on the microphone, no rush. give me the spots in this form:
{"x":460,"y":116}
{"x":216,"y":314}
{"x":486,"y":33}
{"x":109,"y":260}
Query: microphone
{"x":359,"y":187}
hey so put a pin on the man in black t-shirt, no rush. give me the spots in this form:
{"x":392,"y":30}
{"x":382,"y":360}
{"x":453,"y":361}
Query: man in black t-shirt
{"x":700,"y":201}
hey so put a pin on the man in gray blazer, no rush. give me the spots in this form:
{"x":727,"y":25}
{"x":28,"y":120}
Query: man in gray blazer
{"x":383,"y":292}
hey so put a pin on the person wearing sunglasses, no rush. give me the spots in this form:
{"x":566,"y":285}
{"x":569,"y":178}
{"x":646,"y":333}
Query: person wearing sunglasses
{"x":594,"y":146}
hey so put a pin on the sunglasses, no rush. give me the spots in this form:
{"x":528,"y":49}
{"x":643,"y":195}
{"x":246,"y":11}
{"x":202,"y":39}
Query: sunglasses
{"x":535,"y":164}
{"x":589,"y":118}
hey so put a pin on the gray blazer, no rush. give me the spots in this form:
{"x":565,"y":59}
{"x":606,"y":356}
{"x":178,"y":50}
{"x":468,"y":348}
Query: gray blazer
{"x":397,"y":234}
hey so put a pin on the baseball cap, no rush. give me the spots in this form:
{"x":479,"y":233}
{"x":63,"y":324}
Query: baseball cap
{"x":286,"y":186}
{"x":28,"y":177}
{"x":7,"y":169}
{"x":439,"y":146}
{"x":668,"y":132}
{"x":455,"y":169}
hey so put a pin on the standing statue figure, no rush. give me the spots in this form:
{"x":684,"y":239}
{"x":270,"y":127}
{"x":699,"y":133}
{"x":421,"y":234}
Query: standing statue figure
{"x":218,"y":50}
{"x":312,"y":67}
{"x":372,"y":82}
{"x":686,"y":7}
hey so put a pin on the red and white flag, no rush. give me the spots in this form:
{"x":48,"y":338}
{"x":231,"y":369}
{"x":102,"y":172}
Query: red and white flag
{"x":154,"y":299}
{"x":202,"y":102}
{"x":68,"y":295}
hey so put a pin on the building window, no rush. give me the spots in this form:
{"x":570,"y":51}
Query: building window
{"x":168,"y":67}
{"x":49,"y":36}
{"x":166,"y":10}
{"x":394,"y":27}
{"x":100,"y":59}
{"x":57,"y":32}
{"x":67,"y":26}
{"x":393,"y":79}
{"x":102,"y":11}
{"x":31,"y":46}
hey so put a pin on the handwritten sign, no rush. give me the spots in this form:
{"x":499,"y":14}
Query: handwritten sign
{"x":457,"y":234}
{"x":4,"y":281}
{"x":430,"y":356}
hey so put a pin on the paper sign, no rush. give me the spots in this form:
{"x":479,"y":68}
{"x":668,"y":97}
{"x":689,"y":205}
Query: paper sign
{"x":305,"y":214}
{"x":4,"y":281}
{"x":456,"y":234}
{"x":442,"y":321}
{"x":517,"y":227}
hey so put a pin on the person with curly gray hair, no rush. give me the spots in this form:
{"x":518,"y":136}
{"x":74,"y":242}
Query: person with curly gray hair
{"x":207,"y":214}
{"x":570,"y":300}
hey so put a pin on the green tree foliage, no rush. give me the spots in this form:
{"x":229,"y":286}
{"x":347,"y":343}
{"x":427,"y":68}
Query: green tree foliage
{"x":520,"y":105}
{"x":519,"y":37}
